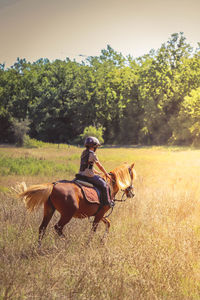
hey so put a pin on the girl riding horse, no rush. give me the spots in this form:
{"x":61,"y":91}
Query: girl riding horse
{"x":68,"y":199}
{"x":89,"y":174}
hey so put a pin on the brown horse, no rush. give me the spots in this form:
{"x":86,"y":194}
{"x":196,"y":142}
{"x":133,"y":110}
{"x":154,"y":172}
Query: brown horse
{"x":67,"y":198}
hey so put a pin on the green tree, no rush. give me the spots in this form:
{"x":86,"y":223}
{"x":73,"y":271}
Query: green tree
{"x":92,"y":131}
{"x":135,"y":100}
{"x":20,"y":129}
{"x":187,"y":125}
{"x":161,"y":89}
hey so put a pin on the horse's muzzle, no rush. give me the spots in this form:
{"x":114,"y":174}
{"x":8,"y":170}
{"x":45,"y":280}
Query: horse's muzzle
{"x":130,"y":192}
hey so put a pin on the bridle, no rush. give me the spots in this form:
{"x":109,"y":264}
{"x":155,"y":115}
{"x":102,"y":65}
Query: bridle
{"x":127,"y":191}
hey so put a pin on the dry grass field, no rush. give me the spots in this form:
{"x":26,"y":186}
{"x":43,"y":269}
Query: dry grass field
{"x":152,"y":250}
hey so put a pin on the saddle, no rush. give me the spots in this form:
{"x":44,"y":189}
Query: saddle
{"x":90,"y":192}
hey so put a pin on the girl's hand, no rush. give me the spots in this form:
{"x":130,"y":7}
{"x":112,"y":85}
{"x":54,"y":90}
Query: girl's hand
{"x":108,"y":176}
{"x":97,"y":172}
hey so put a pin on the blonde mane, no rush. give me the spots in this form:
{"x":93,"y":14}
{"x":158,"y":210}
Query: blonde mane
{"x":122,"y":175}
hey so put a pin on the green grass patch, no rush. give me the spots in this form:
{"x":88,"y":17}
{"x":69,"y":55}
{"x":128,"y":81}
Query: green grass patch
{"x":32,"y":166}
{"x":33,"y":143}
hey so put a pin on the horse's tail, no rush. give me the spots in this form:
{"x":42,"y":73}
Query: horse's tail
{"x":35,"y":195}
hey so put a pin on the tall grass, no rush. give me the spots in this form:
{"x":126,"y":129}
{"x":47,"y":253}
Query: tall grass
{"x":151,"y":252}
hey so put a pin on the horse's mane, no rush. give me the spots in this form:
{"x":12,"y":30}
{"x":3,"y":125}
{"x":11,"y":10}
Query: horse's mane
{"x":122,"y":176}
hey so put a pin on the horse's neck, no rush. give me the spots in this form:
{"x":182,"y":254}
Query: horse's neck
{"x":113,"y":188}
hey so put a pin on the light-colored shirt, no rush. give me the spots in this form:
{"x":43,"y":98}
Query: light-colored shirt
{"x":92,"y":159}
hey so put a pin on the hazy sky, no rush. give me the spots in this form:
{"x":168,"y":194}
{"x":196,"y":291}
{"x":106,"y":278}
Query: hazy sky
{"x":33,"y":29}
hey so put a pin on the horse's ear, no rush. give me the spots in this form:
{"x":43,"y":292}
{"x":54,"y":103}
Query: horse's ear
{"x":132,"y":165}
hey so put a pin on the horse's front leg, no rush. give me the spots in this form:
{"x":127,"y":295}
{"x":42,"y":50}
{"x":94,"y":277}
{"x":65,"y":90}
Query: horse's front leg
{"x":95,"y":224}
{"x":93,"y":230}
{"x":107,"y":223}
{"x":100,"y":217}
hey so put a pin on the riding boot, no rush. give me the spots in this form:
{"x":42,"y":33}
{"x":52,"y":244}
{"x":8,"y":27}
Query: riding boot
{"x":111,"y":202}
{"x":107,"y":197}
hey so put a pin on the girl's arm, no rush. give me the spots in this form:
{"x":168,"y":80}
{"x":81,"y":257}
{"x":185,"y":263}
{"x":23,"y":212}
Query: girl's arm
{"x":97,"y":172}
{"x":99,"y":165}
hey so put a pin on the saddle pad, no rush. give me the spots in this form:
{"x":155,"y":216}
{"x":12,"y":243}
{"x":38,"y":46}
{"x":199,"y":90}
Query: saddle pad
{"x":90,"y":194}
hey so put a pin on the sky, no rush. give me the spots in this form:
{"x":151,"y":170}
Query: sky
{"x":56,"y":29}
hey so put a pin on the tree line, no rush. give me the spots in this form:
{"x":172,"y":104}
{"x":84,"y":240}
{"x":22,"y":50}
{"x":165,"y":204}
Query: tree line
{"x":153,"y":99}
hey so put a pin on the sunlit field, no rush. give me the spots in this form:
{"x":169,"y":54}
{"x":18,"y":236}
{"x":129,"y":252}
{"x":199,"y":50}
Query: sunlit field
{"x":152,"y":250}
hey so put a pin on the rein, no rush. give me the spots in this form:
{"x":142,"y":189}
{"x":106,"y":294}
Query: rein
{"x":117,"y":200}
{"x":129,"y":189}
{"x":121,"y":200}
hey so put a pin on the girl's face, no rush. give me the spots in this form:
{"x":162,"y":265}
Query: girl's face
{"x":93,"y":148}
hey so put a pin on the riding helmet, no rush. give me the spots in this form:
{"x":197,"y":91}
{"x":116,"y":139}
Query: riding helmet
{"x":91,"y":141}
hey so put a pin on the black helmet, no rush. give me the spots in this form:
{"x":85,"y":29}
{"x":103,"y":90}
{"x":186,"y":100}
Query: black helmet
{"x":91,"y":141}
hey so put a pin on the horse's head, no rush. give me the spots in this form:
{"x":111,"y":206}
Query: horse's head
{"x":123,"y":178}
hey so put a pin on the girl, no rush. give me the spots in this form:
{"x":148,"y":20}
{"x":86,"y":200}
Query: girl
{"x":89,"y":174}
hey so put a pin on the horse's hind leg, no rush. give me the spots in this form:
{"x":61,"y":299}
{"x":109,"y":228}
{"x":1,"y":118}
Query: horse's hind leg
{"x":49,"y":210}
{"x":66,"y":216}
{"x":61,"y":223}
